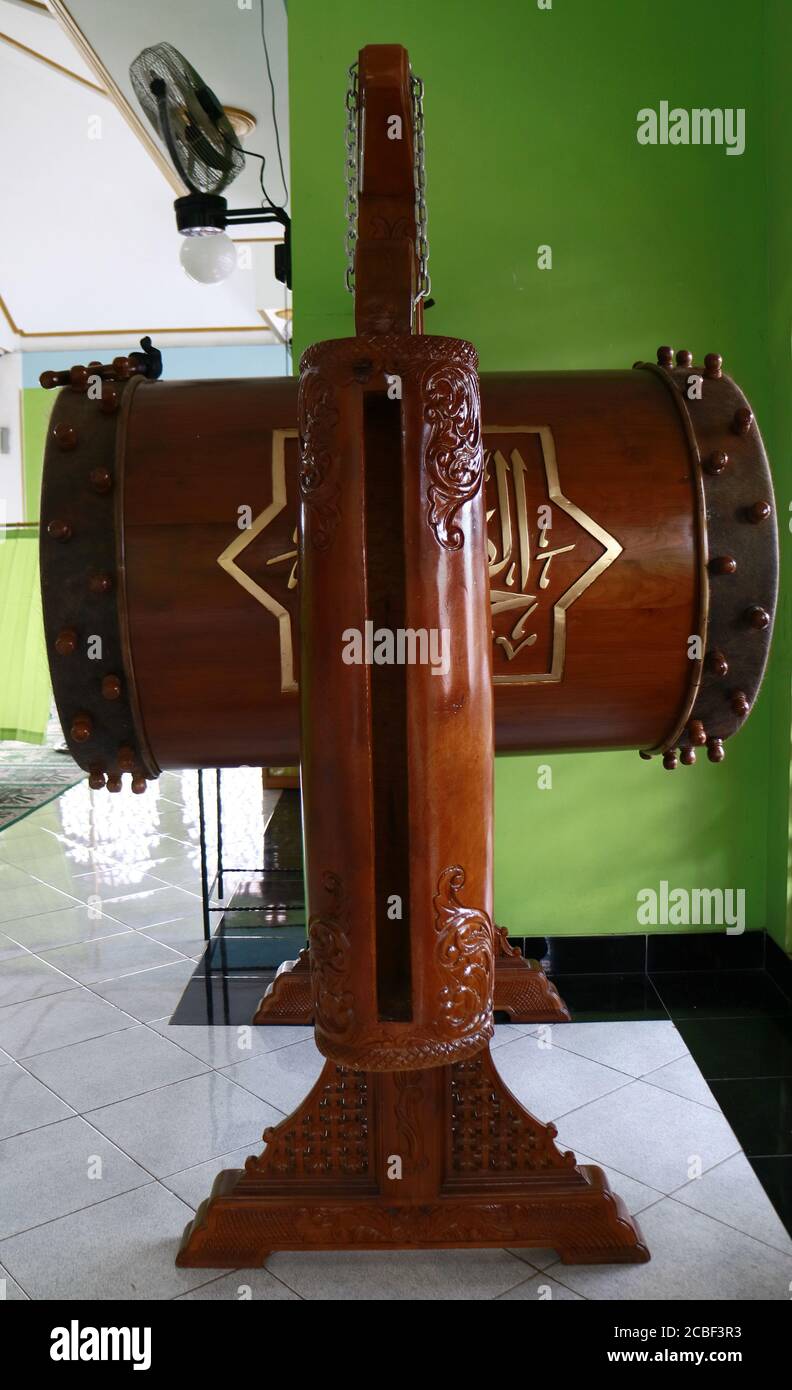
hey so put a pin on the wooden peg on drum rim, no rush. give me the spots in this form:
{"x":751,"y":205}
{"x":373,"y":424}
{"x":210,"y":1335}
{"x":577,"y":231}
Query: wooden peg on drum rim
{"x":100,"y":583}
{"x":760,"y":511}
{"x":758,"y":618}
{"x":49,"y":380}
{"x":66,"y":642}
{"x":101,"y":480}
{"x":715,"y":750}
{"x":147,"y":363}
{"x":723,"y":564}
{"x":65,"y":436}
{"x":743,"y":419}
{"x":126,"y":758}
{"x":716,"y":462}
{"x":81,"y":728}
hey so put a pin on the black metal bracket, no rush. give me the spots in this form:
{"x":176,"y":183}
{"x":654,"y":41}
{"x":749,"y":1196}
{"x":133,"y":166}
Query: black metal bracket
{"x":210,"y":211}
{"x":210,"y":208}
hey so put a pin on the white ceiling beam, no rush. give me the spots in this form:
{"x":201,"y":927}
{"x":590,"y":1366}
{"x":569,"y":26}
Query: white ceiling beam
{"x":50,"y":63}
{"x":32,"y":7}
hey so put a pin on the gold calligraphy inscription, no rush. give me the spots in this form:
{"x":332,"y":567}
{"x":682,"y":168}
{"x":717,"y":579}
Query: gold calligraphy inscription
{"x":544,"y":552}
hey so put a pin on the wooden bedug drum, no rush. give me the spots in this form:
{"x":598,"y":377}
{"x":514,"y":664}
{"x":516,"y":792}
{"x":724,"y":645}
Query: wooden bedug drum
{"x":624,"y":520}
{"x":599,"y":550}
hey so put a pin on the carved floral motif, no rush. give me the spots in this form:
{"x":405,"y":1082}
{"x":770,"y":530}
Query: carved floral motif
{"x":409,"y":1088}
{"x":442,"y":371}
{"x":319,"y":489}
{"x":503,"y":947}
{"x":453,"y":454}
{"x":465,"y":954}
{"x":330,"y":963}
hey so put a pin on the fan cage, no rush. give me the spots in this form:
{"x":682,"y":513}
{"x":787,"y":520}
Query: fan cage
{"x":203,"y":138}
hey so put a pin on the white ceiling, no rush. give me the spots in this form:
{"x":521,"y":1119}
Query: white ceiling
{"x":87,"y":238}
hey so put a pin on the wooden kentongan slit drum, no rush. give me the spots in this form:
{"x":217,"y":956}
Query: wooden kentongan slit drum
{"x":401,"y":939}
{"x":632,"y":556}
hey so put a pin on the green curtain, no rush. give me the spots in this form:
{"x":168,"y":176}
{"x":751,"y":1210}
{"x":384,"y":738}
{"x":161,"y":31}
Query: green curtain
{"x":25,"y":691}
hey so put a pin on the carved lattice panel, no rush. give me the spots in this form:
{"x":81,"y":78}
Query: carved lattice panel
{"x":490,"y":1132}
{"x":329,"y":1136}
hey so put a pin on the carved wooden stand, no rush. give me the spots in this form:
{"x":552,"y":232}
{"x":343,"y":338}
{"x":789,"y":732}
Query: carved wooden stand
{"x":409,"y":1139}
{"x":522,"y":990}
{"x":489,"y":1174}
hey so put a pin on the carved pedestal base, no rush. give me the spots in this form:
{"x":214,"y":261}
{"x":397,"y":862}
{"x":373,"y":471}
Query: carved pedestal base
{"x":441,"y":1158}
{"x":522,"y":990}
{"x":288,"y":998}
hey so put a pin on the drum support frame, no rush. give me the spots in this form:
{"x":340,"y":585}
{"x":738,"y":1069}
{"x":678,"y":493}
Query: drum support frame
{"x":471,"y":1166}
{"x":383,"y":1154}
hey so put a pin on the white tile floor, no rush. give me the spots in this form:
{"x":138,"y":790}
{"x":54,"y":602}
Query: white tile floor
{"x":113,"y":1123}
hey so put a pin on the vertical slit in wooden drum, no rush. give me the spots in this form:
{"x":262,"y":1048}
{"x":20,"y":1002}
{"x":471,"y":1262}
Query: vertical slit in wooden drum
{"x":386,"y":609}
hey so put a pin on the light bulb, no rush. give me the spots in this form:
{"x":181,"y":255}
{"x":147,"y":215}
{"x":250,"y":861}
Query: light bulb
{"x":208,"y":259}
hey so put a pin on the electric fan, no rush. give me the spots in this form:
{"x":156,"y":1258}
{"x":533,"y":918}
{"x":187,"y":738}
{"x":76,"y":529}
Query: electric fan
{"x":187,"y":115}
{"x":206,"y":155}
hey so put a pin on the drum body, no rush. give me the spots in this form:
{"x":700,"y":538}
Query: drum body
{"x":631,"y":545}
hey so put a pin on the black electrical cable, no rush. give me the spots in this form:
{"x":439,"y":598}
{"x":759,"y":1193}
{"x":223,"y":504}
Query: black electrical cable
{"x":274,"y":117}
{"x":276,"y":207}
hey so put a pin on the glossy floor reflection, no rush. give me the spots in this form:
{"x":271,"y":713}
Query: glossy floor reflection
{"x":256,"y":917}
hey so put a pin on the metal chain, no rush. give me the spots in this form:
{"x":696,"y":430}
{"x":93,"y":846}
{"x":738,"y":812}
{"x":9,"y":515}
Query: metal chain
{"x":421,"y":233}
{"x":352,"y":172}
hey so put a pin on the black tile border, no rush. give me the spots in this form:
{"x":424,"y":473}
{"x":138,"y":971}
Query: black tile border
{"x":626,"y":955}
{"x":705,"y":951}
{"x":587,"y":955}
{"x":653,"y":952}
{"x":759,"y":1116}
{"x":612,"y":997}
{"x":691,"y":995}
{"x":778,"y":966}
{"x":775,"y":1175}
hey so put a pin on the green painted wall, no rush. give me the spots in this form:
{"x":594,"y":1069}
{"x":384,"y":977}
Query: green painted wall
{"x":25,"y":692}
{"x":530,"y":126}
{"x":36,"y":410}
{"x":779,"y":432}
